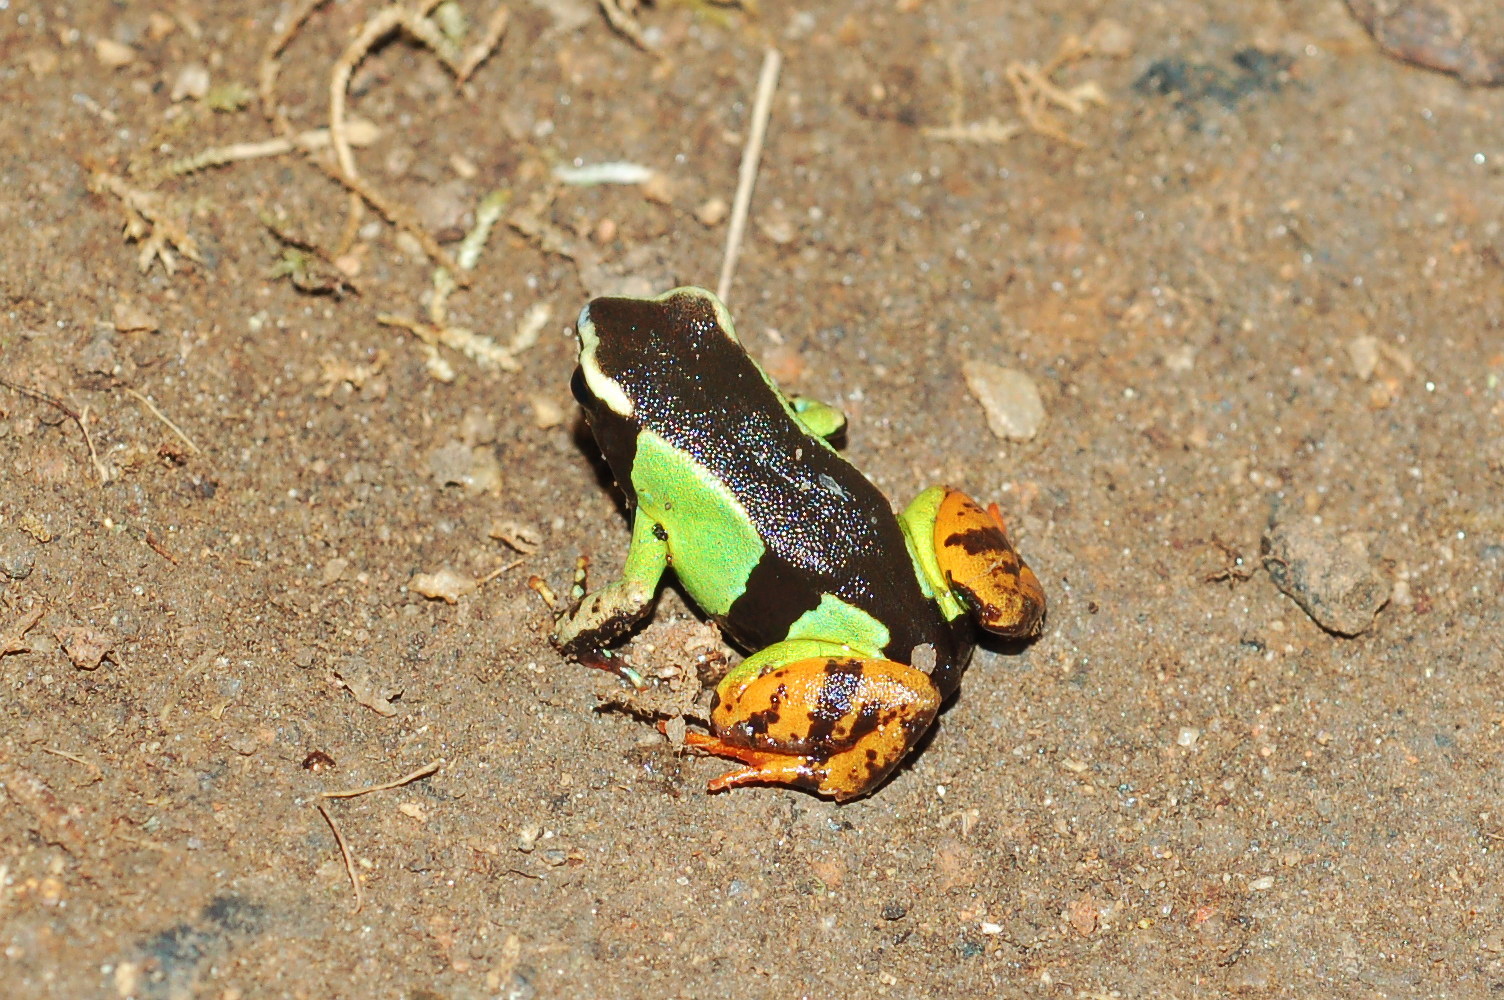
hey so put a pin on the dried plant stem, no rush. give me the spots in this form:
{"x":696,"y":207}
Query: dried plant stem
{"x":747,"y":175}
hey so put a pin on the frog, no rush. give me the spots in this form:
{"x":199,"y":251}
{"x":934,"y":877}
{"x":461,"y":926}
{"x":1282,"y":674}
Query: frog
{"x":857,"y":621}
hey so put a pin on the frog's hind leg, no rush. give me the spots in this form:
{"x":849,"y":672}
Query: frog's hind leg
{"x":836,"y":725}
{"x":974,"y":552}
{"x":964,"y":554}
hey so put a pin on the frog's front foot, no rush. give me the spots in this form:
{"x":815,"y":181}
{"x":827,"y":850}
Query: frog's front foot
{"x":836,"y":725}
{"x":596,"y":620}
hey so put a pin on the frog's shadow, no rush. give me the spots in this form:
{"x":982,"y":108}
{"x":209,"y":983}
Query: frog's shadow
{"x":999,"y":646}
{"x":584,"y":441}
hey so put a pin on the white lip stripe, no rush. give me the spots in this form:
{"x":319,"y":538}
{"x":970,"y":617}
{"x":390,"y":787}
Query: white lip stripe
{"x":602,"y":386}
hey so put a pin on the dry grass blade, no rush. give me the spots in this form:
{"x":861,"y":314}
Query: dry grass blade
{"x":767,"y":82}
{"x":422,"y":772}
{"x":344,"y":852}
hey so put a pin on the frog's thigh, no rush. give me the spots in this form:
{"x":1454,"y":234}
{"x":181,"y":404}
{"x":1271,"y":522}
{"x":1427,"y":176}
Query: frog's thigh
{"x":780,"y":654}
{"x":831,"y":724}
{"x":605,"y":615}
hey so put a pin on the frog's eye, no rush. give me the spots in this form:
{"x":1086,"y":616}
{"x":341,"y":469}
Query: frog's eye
{"x":983,"y":568}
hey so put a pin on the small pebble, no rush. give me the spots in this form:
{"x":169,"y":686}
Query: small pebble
{"x":112,"y":54}
{"x":463,"y":167}
{"x":478,"y":426}
{"x":244,"y":744}
{"x":449,"y":463}
{"x":447,"y":585}
{"x":99,"y":356}
{"x":713,"y":212}
{"x":1181,"y":358}
{"x":1110,"y":38}
{"x":444,"y":208}
{"x":1326,"y":572}
{"x":17,"y":562}
{"x":192,"y":83}
{"x":458,"y":464}
{"x":778,"y":229}
{"x":159,"y":26}
{"x":367,"y":687}
{"x":1009,"y":398}
{"x":86,"y":647}
{"x":131,"y":317}
{"x":333,"y":570}
{"x":1363,"y":352}
{"x":659,"y":188}
{"x":546,"y":413}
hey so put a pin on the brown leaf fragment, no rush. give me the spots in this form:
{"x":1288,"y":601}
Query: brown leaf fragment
{"x":86,"y":647}
{"x":52,"y":821}
{"x":1435,"y":35}
{"x":13,"y":640}
{"x":365,"y":687}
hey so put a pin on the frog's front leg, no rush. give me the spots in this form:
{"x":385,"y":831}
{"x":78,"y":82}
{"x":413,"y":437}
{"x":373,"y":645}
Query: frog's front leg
{"x":816,"y":716}
{"x":601,"y":617}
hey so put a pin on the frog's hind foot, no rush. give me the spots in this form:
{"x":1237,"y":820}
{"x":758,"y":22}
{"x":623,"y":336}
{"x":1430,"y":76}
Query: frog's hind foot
{"x":764,"y":767}
{"x":835,"y":725}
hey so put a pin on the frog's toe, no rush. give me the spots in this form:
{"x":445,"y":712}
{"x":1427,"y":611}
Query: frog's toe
{"x":764,"y":767}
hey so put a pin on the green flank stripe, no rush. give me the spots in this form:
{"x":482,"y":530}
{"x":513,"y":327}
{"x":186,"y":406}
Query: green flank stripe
{"x":713,"y":545}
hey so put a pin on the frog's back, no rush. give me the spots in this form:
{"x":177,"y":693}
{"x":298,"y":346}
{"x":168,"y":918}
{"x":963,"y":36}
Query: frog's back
{"x":760,"y":500}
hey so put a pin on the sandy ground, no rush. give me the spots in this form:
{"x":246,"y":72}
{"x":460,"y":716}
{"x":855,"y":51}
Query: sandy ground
{"x":1258,"y":287}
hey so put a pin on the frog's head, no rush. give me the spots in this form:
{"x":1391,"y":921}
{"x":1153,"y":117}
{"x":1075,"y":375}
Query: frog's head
{"x":631,"y":347}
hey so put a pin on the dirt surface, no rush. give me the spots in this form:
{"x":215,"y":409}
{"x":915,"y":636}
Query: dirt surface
{"x":1258,"y":288}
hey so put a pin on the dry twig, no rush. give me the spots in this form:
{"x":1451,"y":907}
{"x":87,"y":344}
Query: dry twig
{"x":150,"y":220}
{"x":1036,"y":93}
{"x":339,"y":837}
{"x":97,"y":771}
{"x":359,"y":132}
{"x":271,"y":64}
{"x":163,"y":417}
{"x":79,"y":418}
{"x":414,"y":21}
{"x":767,"y":82}
{"x":625,"y":23}
{"x":406,"y":779}
{"x":344,"y":852}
